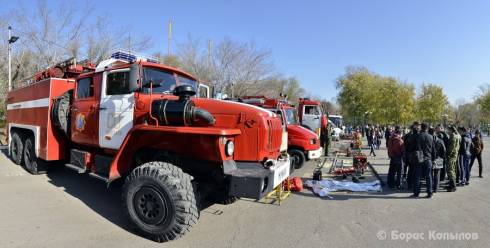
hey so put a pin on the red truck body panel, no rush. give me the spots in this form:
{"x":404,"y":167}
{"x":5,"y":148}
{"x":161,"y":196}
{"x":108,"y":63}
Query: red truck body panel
{"x":30,"y":107}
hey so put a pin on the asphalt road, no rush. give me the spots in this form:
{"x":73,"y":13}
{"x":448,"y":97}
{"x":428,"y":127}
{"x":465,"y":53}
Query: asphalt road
{"x":63,"y":209}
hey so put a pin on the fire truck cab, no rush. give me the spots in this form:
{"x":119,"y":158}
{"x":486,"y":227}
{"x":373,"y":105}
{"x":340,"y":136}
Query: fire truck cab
{"x":303,"y":144}
{"x":313,"y":117}
{"x":135,"y":120}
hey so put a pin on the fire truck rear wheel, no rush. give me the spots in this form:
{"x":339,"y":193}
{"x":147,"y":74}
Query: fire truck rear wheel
{"x":159,"y":200}
{"x":33,"y":164}
{"x":16,"y":149}
{"x":298,"y":158}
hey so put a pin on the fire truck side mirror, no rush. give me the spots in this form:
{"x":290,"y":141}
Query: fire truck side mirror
{"x":133,"y":78}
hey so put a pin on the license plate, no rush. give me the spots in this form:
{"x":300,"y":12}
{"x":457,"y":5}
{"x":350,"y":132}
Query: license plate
{"x":280,"y":174}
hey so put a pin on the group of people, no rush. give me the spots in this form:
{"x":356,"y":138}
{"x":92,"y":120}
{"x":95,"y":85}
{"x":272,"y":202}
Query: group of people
{"x":434,"y":154}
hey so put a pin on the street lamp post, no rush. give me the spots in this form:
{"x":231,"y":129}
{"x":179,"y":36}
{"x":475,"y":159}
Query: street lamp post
{"x":11,"y":40}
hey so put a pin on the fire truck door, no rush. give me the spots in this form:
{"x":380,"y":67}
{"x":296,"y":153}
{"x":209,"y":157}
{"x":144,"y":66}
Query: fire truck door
{"x":116,"y":109}
{"x":311,"y":117}
{"x":84,"y":113}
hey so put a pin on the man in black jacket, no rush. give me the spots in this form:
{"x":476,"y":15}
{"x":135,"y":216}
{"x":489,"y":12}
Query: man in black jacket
{"x":410,"y":141}
{"x":426,"y":145}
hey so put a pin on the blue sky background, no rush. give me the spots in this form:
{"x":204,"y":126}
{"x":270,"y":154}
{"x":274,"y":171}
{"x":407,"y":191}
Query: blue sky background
{"x":441,"y":42}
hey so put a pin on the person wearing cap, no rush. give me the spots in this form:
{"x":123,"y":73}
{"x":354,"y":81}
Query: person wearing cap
{"x":452,"y":155}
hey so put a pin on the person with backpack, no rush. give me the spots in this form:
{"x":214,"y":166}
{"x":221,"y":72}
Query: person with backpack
{"x":476,"y":153}
{"x":452,"y":155}
{"x":423,"y":157}
{"x":438,"y":163}
{"x":395,"y":153}
{"x":464,"y":157}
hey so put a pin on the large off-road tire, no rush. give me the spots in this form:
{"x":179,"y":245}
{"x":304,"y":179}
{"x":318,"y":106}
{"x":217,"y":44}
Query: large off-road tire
{"x":60,"y":114}
{"x":17,"y":148}
{"x":297,"y":157}
{"x":33,"y":164}
{"x":159,"y":200}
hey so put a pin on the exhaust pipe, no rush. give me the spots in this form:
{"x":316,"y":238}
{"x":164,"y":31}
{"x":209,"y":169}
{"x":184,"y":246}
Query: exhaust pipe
{"x":181,"y":112}
{"x":201,"y":114}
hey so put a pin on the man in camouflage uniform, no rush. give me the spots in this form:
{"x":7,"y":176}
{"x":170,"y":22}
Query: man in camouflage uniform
{"x":452,"y":156}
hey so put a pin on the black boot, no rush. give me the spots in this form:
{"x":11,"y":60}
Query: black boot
{"x":451,"y":187}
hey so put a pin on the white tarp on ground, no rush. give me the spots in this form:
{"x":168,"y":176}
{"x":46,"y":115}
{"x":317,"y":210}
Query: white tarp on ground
{"x":325,"y":186}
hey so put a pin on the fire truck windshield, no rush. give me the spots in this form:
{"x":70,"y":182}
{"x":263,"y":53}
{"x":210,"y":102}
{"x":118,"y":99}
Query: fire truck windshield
{"x":291,"y":116}
{"x":164,"y":81}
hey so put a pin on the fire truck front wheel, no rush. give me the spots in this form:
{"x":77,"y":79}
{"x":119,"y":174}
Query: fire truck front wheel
{"x":16,"y":148}
{"x":159,"y":200}
{"x":33,"y":164}
{"x":297,"y":158}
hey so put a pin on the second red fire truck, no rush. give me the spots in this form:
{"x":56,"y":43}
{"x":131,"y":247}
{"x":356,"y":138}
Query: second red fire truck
{"x":303,"y":144}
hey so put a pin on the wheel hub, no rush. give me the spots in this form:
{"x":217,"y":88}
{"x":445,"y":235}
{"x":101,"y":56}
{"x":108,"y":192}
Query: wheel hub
{"x":150,"y":205}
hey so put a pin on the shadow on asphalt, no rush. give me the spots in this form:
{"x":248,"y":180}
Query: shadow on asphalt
{"x":93,"y":193}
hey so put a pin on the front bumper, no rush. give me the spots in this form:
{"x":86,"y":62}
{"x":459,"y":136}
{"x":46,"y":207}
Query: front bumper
{"x":252,"y":180}
{"x":315,"y":153}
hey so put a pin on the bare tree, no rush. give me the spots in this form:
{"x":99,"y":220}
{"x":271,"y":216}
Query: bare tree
{"x":239,"y":68}
{"x":196,"y":60}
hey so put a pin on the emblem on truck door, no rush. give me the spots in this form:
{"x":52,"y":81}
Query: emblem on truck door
{"x":80,"y":122}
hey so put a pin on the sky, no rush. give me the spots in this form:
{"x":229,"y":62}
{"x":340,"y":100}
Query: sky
{"x":442,"y":42}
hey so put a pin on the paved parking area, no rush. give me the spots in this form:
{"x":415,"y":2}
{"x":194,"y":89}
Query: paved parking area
{"x":63,"y":209}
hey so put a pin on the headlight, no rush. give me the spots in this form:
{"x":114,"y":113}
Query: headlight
{"x":229,"y":148}
{"x":312,"y":141}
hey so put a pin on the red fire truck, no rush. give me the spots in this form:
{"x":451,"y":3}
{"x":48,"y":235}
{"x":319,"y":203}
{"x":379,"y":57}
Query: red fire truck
{"x":303,"y":144}
{"x":132,"y":119}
